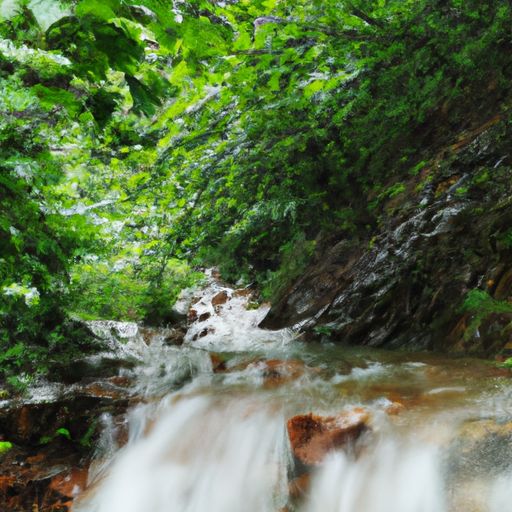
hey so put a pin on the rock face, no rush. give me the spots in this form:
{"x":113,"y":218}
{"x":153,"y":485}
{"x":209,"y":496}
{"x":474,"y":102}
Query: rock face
{"x":47,"y":481}
{"x":312,"y":437}
{"x":403,"y":286}
{"x":481,"y":448}
{"x":52,"y":438}
{"x":54,"y":427}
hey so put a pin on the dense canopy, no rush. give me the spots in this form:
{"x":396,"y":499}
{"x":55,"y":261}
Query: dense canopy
{"x":142,"y":140}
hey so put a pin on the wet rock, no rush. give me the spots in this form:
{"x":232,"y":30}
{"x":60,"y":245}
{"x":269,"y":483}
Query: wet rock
{"x":66,"y":486}
{"x":218,"y":363}
{"x":52,"y":431}
{"x":403,"y":287}
{"x":312,"y":437}
{"x":243,"y":292}
{"x":94,"y":367}
{"x":219,"y":300}
{"x":277,"y":371}
{"x":192,"y":315}
{"x":203,"y":317}
{"x":299,"y":486}
{"x":27,"y":422}
{"x":481,"y":448}
{"x":44,"y":479}
{"x":123,"y":342}
{"x":203,"y":333}
{"x":169,"y":335}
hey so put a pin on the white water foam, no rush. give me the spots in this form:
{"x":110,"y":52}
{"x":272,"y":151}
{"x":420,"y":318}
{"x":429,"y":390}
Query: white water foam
{"x":233,"y":325}
{"x":393,"y":477}
{"x":203,"y":455}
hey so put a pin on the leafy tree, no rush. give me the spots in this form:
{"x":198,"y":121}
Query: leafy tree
{"x":139,"y":137}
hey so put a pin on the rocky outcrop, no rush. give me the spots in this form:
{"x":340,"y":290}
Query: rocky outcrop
{"x":447,"y":234}
{"x":52,"y":429}
{"x":44,"y":481}
{"x":52,"y":440}
{"x":312,"y":437}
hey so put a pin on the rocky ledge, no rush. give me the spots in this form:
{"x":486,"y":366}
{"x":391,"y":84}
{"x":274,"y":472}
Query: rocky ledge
{"x":447,"y":233}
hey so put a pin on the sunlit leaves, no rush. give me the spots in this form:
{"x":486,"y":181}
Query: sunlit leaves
{"x":217,"y":132}
{"x":46,"y":12}
{"x":103,"y":10}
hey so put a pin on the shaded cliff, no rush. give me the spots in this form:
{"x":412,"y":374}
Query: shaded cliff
{"x":447,"y":232}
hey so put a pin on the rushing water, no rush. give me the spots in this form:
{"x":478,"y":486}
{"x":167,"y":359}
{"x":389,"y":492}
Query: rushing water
{"x":206,"y":441}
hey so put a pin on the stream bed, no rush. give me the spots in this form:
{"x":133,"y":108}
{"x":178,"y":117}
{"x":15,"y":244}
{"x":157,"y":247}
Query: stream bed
{"x":211,"y":431}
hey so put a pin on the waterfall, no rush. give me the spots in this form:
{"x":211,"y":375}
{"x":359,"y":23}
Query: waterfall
{"x":201,"y":439}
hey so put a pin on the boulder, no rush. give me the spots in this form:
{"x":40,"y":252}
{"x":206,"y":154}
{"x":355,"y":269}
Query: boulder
{"x":402,"y":284}
{"x":220,"y":299}
{"x":312,"y":437}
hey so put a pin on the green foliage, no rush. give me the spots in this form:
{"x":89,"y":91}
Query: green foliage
{"x":127,"y":290}
{"x":294,"y":257}
{"x":300,"y":124}
{"x":481,"y":304}
{"x":323,"y":330}
{"x":86,"y":439}
{"x":139,"y":138}
{"x":60,"y":432}
{"x":5,"y":446}
{"x":506,"y":239}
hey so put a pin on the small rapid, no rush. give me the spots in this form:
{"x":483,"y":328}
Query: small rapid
{"x":211,"y":428}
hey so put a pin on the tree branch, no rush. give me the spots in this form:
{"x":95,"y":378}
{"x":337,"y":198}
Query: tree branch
{"x":358,"y":13}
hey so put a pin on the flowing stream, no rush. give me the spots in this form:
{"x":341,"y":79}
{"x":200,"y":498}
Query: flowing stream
{"x":210,"y":433}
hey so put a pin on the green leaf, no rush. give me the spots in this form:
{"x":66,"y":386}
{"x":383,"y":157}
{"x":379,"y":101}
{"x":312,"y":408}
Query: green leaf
{"x":5,"y":446}
{"x":99,"y":9}
{"x":51,"y":97}
{"x":144,"y":99}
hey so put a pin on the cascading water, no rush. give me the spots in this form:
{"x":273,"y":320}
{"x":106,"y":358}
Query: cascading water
{"x":393,"y":478}
{"x":201,"y":455}
{"x":204,"y":440}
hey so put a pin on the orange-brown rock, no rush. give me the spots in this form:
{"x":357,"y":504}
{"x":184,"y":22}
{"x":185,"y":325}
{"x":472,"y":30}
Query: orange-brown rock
{"x":24,"y":422}
{"x":220,"y":299}
{"x":70,"y":483}
{"x":395,"y":408}
{"x":104,"y":390}
{"x":6,"y":482}
{"x":242,"y":292}
{"x":299,"y":486}
{"x":204,"y":316}
{"x":192,"y":315}
{"x":312,"y":437}
{"x":121,"y":381}
{"x":278,"y":371}
{"x":44,"y":480}
{"x":218,"y":364}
